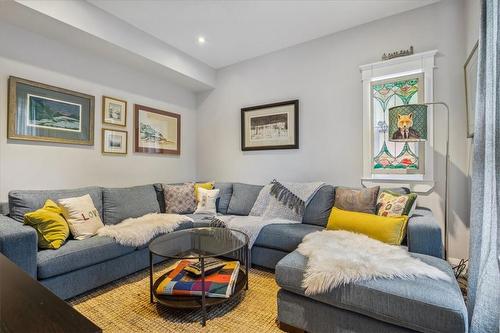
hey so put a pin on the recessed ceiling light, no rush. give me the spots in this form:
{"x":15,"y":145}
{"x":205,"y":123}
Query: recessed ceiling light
{"x":201,"y":40}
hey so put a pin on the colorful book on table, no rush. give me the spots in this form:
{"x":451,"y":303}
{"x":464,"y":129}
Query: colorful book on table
{"x":179,"y":282}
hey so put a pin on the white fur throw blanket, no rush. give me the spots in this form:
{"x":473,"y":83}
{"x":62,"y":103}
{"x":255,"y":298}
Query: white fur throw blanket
{"x":341,"y":257}
{"x":250,"y":225}
{"x":139,"y":231}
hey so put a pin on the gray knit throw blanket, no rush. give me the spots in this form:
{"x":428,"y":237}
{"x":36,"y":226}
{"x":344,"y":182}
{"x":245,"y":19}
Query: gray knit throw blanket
{"x":294,"y":195}
{"x":277,"y":203}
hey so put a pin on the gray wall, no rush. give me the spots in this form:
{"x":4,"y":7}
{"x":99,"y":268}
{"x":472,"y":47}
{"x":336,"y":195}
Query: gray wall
{"x":472,"y":18}
{"x":323,"y":74}
{"x":26,"y":165}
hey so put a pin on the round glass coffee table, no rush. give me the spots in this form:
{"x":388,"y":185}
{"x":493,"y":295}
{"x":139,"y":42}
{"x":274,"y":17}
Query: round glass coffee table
{"x":199,"y":243}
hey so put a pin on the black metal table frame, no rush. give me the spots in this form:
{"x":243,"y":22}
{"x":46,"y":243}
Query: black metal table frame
{"x":245,"y":256}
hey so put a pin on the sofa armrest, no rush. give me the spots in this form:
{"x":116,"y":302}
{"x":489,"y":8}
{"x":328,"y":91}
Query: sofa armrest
{"x":424,"y":234}
{"x":19,"y":243}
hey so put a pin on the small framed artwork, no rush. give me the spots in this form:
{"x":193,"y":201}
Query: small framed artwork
{"x":40,"y":112}
{"x":157,"y":131}
{"x":270,"y":126}
{"x":114,"y":141}
{"x":114,"y":111}
{"x":470,"y":72}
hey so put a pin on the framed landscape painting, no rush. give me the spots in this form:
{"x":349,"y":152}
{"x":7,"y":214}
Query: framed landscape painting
{"x":270,"y":126}
{"x":114,"y":111}
{"x":39,"y":112}
{"x":157,"y":131}
{"x":114,"y":141}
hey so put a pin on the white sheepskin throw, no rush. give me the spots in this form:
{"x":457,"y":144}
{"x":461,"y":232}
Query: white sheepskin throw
{"x":139,"y":231}
{"x":336,"y":258}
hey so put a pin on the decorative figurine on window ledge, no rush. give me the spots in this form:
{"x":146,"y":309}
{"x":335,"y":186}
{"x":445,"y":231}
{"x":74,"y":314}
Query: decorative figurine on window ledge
{"x":397,"y":54}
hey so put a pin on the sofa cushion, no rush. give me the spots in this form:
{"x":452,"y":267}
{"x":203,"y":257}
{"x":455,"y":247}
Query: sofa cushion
{"x":319,"y":208}
{"x":225,"y":193}
{"x":122,"y":203}
{"x":76,"y":254}
{"x":284,"y":237}
{"x":243,"y":198}
{"x":160,"y":196}
{"x":421,"y":304}
{"x":24,"y":201}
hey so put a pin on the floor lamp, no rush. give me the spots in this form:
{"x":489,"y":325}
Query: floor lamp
{"x":408,"y":123}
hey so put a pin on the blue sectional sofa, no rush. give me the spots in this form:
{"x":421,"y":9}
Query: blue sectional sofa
{"x":81,"y":265}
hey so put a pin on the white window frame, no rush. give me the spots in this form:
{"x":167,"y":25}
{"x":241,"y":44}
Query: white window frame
{"x":417,"y":63}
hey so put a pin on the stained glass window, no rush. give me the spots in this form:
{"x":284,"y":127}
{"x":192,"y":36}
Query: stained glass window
{"x":395,"y":157}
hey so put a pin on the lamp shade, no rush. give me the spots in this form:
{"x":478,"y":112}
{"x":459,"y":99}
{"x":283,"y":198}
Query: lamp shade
{"x":408,"y":123}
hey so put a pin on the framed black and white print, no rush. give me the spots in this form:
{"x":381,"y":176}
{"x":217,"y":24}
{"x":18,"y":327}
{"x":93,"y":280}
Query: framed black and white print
{"x":270,"y":126}
{"x":114,"y":141}
{"x":39,"y":112}
{"x":114,"y":111}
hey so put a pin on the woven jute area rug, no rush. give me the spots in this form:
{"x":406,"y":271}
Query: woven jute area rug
{"x":123,"y":306}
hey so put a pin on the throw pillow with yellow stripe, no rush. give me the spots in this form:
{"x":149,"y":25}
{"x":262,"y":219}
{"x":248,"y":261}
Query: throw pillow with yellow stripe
{"x":206,"y":186}
{"x":390,"y":230}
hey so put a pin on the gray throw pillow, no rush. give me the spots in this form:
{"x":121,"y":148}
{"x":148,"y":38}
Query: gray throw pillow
{"x":179,"y":199}
{"x":362,"y":200}
{"x":243,"y":198}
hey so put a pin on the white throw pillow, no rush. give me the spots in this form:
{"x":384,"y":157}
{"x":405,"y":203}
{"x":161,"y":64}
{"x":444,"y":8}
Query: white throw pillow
{"x":206,"y":201}
{"x":82,"y":216}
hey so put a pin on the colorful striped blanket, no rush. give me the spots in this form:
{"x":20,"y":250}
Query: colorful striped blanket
{"x":179,"y":282}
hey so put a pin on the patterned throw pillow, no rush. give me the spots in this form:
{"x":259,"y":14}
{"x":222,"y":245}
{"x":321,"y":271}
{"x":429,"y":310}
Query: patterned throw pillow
{"x":206,"y":186}
{"x":179,"y":199}
{"x":206,"y":201}
{"x":357,"y":200}
{"x":393,"y":204}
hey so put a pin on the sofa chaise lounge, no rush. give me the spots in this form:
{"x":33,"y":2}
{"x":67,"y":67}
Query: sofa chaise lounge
{"x":81,"y":265}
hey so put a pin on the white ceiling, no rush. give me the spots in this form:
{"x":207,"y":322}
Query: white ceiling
{"x":240,"y":30}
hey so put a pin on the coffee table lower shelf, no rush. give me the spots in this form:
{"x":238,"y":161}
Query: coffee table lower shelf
{"x":195,"y":302}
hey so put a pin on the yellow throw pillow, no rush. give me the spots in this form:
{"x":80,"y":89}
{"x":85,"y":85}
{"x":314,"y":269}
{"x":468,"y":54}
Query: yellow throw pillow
{"x":50,"y":225}
{"x":390,"y":230}
{"x":206,"y":186}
